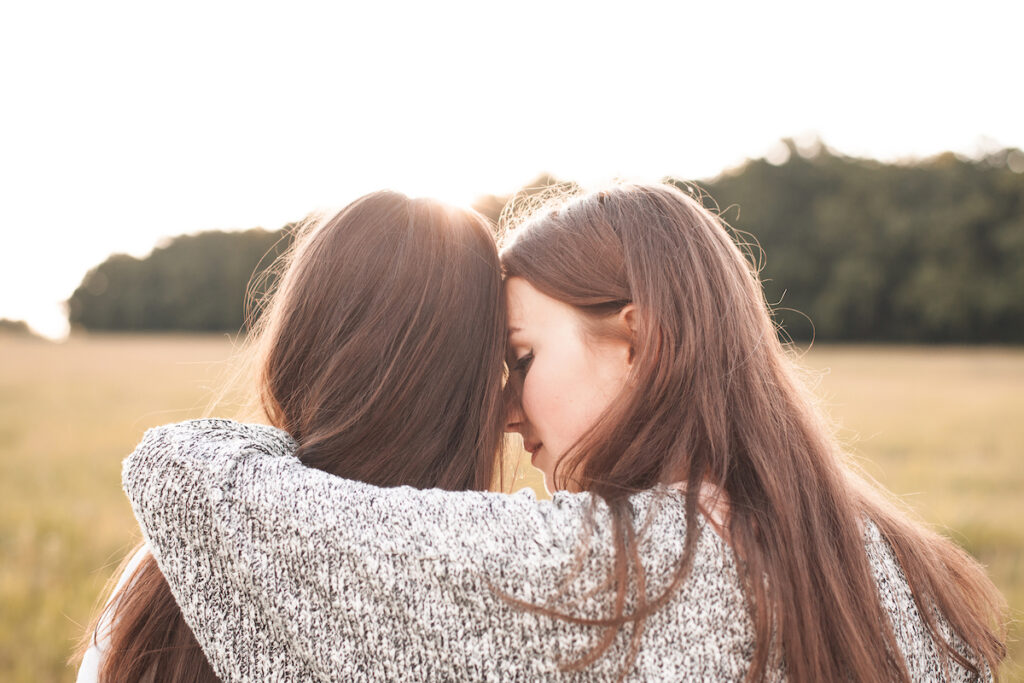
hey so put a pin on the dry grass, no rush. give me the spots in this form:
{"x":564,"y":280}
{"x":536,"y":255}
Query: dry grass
{"x":941,"y":427}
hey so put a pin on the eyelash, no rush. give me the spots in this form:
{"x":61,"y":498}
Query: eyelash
{"x":523,"y":363}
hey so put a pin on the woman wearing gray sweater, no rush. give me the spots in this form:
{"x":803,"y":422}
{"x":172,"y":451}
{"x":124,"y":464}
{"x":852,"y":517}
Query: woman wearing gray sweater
{"x":704,"y":525}
{"x":385,"y":336}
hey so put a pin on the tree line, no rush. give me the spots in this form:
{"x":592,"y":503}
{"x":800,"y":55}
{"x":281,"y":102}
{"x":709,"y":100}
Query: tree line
{"x":192,"y":283}
{"x":847,"y":249}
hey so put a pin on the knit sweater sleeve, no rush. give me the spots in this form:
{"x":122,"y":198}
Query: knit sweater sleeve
{"x":286,"y":572}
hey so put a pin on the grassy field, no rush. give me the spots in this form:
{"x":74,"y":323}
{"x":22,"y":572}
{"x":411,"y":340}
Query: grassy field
{"x":942,"y":427}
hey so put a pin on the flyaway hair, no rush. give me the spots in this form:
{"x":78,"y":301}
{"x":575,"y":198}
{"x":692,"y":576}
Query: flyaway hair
{"x":714,"y":398}
{"x":381,"y":353}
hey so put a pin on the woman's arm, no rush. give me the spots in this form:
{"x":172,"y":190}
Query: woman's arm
{"x":285,"y":571}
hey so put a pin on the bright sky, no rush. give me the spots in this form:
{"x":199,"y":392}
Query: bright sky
{"x":123,"y":123}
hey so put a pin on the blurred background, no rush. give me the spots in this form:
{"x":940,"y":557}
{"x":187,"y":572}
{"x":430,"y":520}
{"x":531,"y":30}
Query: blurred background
{"x":152,"y":158}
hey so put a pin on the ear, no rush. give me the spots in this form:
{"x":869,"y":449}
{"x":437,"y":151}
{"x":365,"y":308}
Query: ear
{"x":627,"y":319}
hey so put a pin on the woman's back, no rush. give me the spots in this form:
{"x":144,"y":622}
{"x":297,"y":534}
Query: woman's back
{"x":352,"y":356}
{"x":307,"y":576}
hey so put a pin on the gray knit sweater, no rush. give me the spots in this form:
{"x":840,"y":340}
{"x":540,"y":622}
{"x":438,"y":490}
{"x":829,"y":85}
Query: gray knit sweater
{"x":288,"y":573}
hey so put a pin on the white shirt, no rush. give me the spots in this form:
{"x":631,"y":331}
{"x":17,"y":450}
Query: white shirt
{"x":89,"y":671}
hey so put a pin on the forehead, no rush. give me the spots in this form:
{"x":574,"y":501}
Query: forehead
{"x":516,"y":289}
{"x":530,"y":309}
{"x":523,"y":300}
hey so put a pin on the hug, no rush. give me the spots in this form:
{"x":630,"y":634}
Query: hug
{"x":704,"y":522}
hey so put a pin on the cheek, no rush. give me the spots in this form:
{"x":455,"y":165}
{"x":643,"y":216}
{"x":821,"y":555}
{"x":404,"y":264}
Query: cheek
{"x":558,"y":401}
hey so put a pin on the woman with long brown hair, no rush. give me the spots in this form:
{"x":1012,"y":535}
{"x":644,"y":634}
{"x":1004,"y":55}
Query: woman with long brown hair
{"x":704,"y":525}
{"x":381,"y":354}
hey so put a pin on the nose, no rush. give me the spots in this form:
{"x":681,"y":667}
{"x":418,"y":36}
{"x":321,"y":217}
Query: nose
{"x":513,"y":410}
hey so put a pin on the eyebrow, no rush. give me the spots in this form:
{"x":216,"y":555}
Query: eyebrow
{"x":513,"y":330}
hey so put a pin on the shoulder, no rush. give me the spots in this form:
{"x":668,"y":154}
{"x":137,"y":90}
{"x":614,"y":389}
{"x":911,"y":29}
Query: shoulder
{"x":220,"y":431}
{"x":924,"y":657}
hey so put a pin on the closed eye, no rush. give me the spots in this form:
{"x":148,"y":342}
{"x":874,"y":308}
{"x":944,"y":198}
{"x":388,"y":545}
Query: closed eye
{"x":522,"y":363}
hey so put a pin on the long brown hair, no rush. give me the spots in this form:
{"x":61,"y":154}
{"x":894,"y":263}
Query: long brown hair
{"x":381,"y":353}
{"x":715,"y":398}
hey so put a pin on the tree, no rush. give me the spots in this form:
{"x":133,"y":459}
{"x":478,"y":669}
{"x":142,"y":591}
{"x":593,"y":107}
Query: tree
{"x":194,"y":282}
